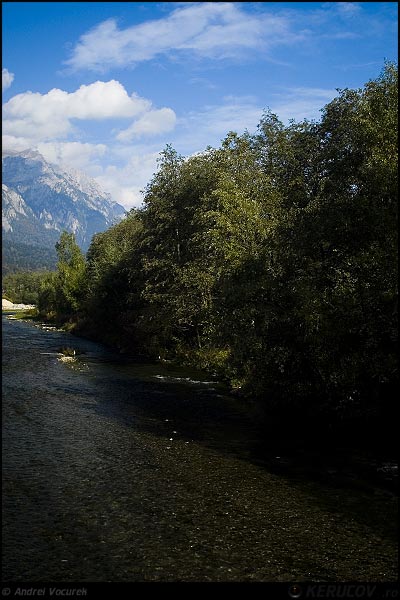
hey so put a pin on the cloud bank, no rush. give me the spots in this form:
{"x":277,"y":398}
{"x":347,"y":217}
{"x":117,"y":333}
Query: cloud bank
{"x":43,"y":117}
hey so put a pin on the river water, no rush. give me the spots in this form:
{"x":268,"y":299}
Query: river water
{"x":120,"y":471}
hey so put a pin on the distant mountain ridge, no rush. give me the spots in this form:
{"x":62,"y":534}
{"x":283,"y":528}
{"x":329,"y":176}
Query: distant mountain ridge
{"x":39,"y":200}
{"x":58,"y":199}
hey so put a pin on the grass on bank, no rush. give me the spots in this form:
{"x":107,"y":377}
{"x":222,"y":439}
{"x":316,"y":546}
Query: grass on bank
{"x":17,"y":313}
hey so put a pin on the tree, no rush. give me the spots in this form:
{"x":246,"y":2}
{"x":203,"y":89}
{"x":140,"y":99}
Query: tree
{"x":173,"y":288}
{"x":114,"y":283}
{"x":70,"y":279}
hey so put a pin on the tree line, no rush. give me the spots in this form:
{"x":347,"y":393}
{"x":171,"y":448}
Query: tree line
{"x":270,"y":261}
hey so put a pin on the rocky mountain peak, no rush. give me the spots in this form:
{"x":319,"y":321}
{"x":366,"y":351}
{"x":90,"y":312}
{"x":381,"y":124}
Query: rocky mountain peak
{"x":40,"y":196}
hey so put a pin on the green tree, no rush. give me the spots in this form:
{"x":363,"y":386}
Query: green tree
{"x":114,"y":281}
{"x":70,"y":280}
{"x":174,"y":284}
{"x":330,"y":345}
{"x":23,"y":286}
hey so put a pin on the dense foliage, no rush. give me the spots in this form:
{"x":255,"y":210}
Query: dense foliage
{"x":63,"y":291}
{"x":20,"y":257}
{"x":23,"y":287}
{"x":271,"y":261}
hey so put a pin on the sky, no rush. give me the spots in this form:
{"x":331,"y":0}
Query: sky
{"x":103,"y":87}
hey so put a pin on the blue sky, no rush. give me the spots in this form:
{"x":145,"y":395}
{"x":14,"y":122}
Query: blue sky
{"x":104,"y":86}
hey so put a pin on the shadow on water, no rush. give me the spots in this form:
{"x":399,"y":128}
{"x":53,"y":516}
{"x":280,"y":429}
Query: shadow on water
{"x":180,"y":404}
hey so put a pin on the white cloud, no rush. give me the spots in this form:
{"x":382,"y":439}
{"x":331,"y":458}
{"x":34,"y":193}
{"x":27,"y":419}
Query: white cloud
{"x":10,"y":143}
{"x":150,"y":123}
{"x":46,"y":117}
{"x":7,"y":78}
{"x":82,"y":156}
{"x":125,"y":183}
{"x":208,"y":29}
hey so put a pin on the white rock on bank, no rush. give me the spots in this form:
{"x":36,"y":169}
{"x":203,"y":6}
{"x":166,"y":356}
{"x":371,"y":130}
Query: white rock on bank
{"x":7,"y":305}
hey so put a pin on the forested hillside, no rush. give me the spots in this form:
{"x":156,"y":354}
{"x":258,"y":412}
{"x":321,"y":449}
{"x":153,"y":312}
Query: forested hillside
{"x":271,"y":261}
{"x":18,"y":257}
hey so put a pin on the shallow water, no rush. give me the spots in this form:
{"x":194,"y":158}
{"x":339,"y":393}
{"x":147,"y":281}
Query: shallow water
{"x":120,"y":471}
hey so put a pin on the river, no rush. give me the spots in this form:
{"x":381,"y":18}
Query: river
{"x":125,"y":471}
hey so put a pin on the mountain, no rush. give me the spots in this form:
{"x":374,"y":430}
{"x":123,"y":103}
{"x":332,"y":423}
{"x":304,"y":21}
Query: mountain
{"x":19,"y":222}
{"x":39,"y":200}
